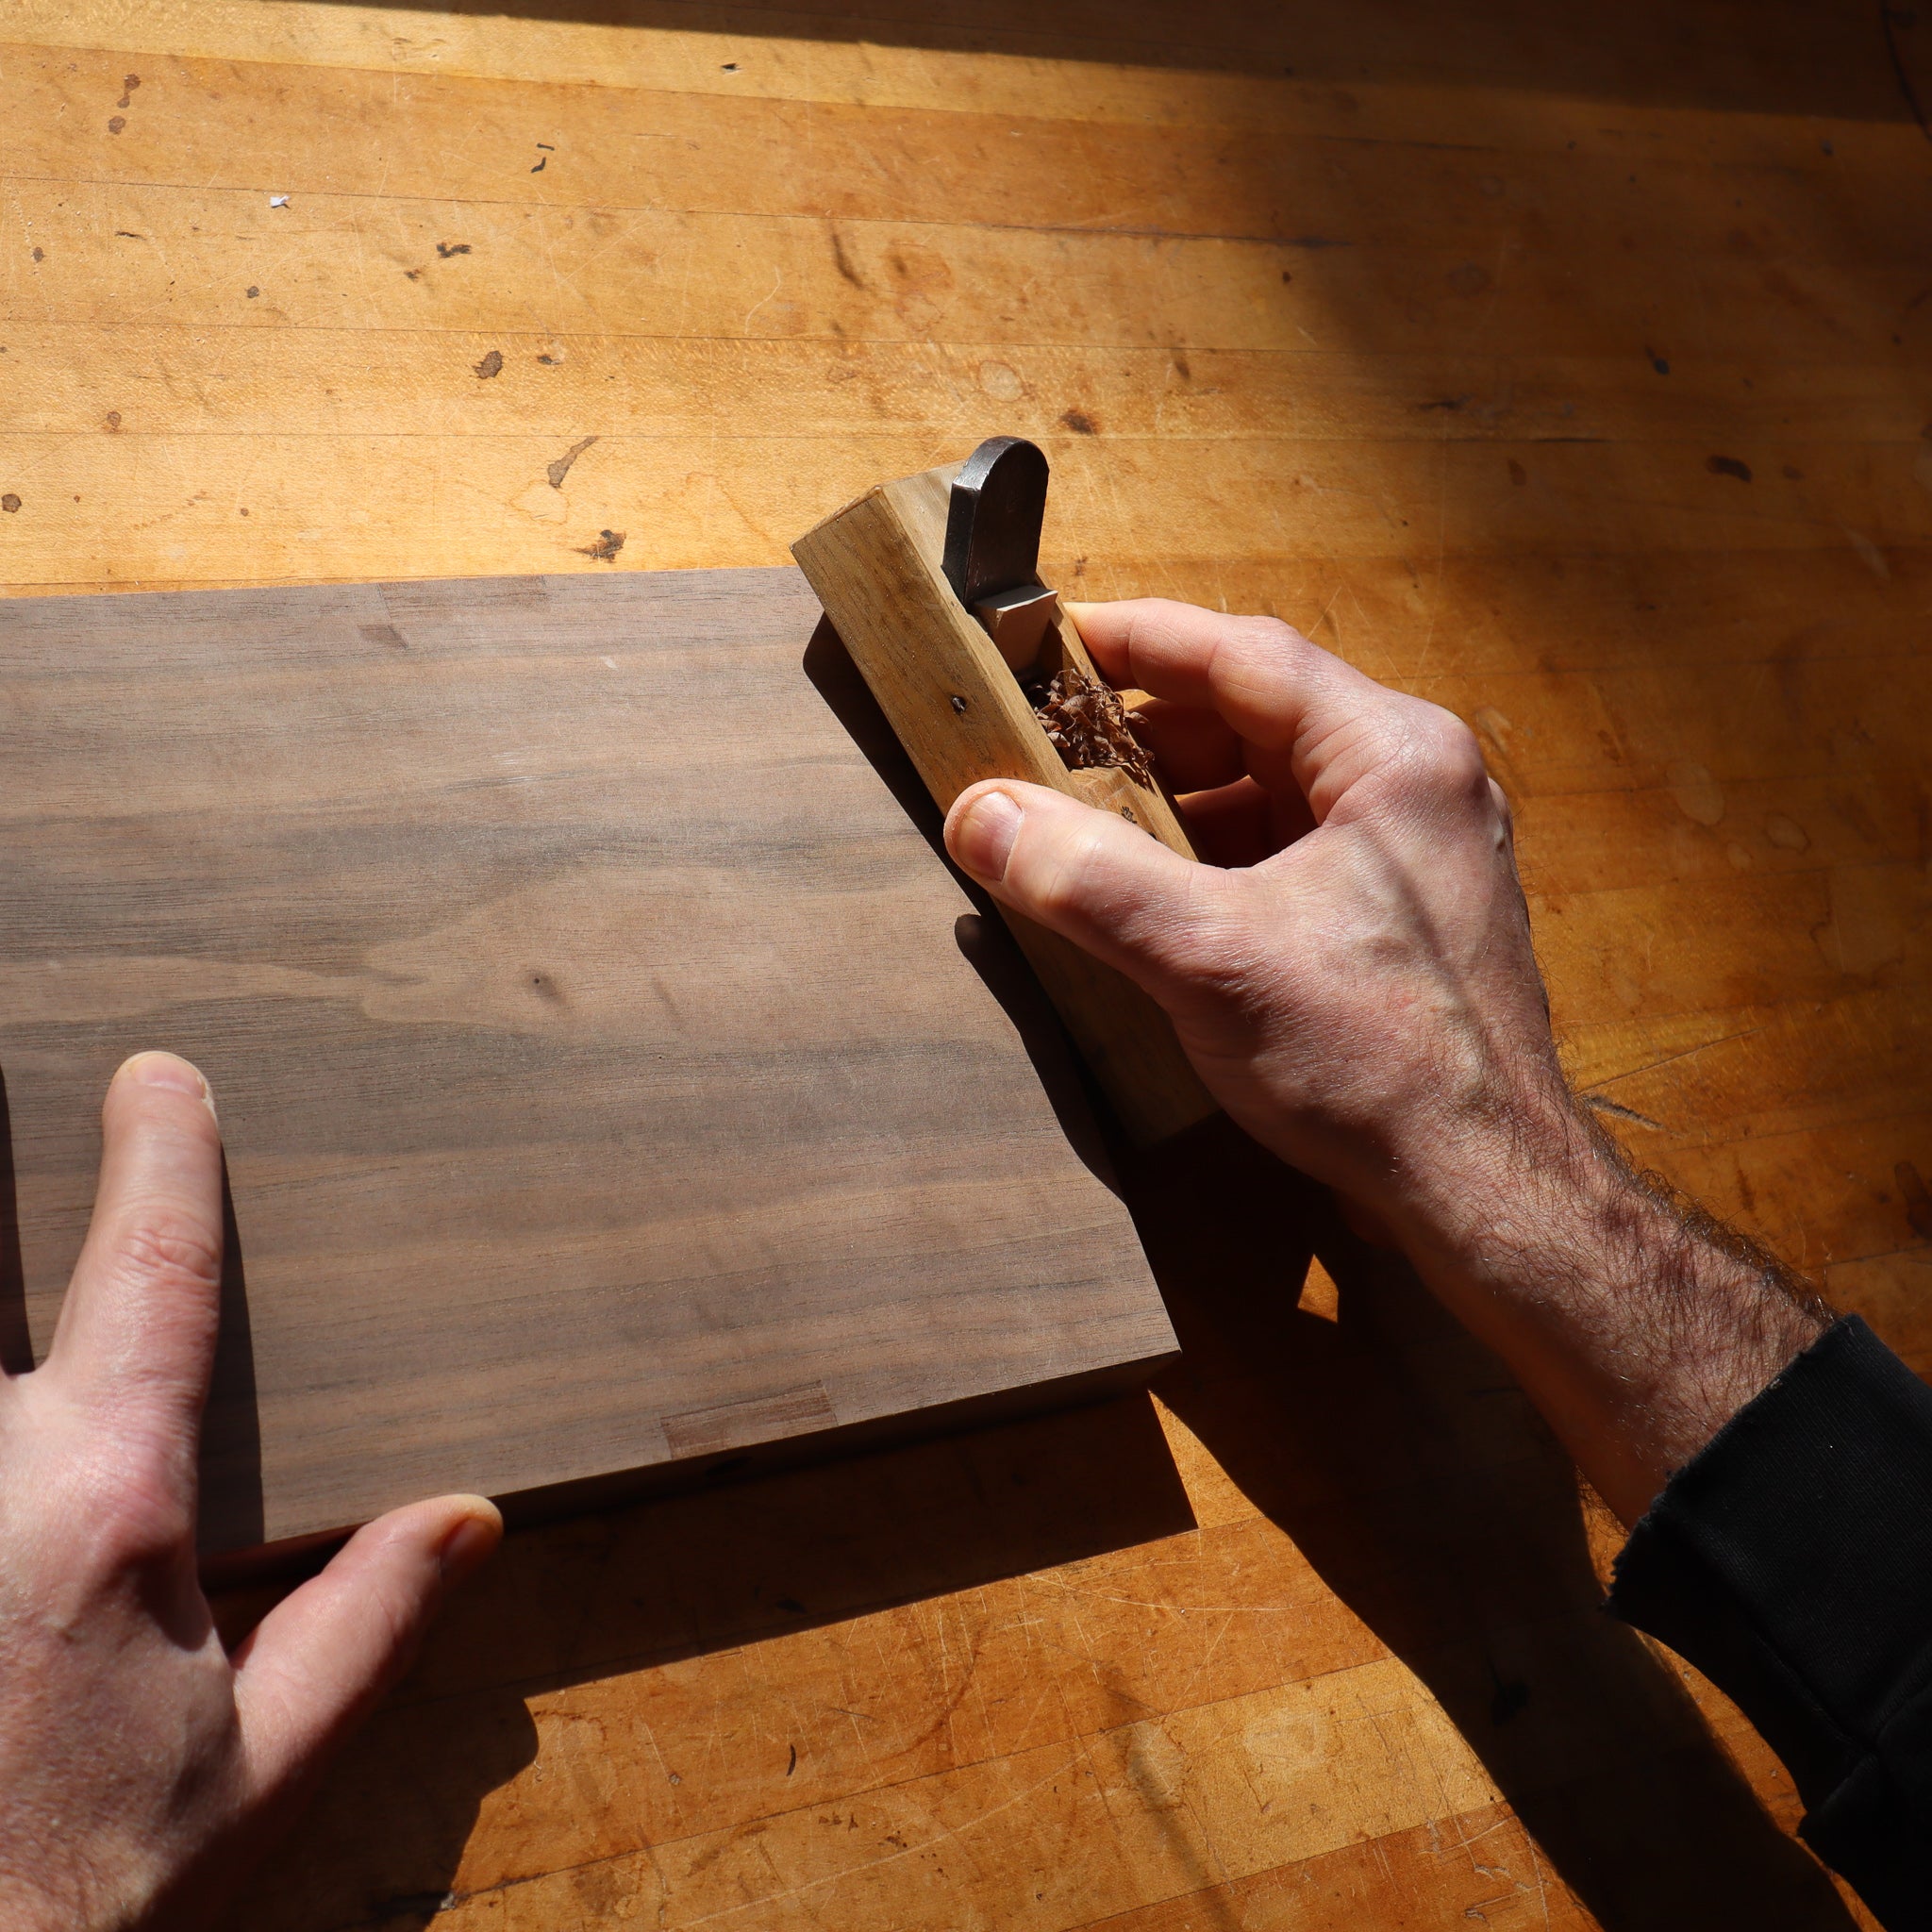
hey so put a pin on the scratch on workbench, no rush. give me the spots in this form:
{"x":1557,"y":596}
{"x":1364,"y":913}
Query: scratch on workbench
{"x":1651,"y":1066}
{"x":777,"y":283}
{"x":1326,"y":614}
{"x":1204,"y":1664}
{"x":1147,"y":1603}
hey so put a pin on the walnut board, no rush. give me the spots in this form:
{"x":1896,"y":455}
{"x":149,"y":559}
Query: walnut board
{"x":603,"y":1083}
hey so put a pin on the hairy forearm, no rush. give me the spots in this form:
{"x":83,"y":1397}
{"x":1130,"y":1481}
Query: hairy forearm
{"x":1637,"y":1324}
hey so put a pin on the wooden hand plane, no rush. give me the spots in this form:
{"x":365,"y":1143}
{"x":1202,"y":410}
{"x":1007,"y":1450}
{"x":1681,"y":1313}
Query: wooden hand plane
{"x":932,"y":583}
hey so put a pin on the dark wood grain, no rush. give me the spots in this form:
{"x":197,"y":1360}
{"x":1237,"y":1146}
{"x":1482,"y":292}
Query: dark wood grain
{"x":604,"y":1083}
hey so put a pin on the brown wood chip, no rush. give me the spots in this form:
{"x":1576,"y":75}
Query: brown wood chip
{"x":1088,"y":726}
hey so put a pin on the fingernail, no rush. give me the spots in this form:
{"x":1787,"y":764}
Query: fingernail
{"x":467,"y":1545}
{"x":982,"y":838}
{"x":168,"y":1071}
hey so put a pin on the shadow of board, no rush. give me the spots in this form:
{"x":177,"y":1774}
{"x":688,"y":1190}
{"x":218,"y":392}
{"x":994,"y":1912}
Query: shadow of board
{"x":1839,"y":58}
{"x":1393,"y":1451}
{"x":679,"y":1577}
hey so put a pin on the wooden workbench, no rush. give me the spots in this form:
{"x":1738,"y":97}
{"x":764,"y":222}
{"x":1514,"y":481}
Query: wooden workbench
{"x":1568,"y":366}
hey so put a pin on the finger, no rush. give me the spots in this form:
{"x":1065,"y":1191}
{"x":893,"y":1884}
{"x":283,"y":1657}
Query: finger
{"x":1199,"y":754}
{"x":1231,"y":826}
{"x":1196,"y":750}
{"x":137,"y":1328}
{"x":1277,"y":691}
{"x":1088,"y":876}
{"x":318,"y":1662}
{"x":1255,"y":672}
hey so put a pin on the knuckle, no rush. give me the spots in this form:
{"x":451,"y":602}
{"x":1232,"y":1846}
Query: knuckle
{"x":1259,"y":666}
{"x":1066,"y":876}
{"x":1440,"y":753}
{"x":1266,"y":647}
{"x":141,"y":1527}
{"x":166,"y":1249}
{"x":127,"y":1511}
{"x":1270,"y":634}
{"x":1455,"y":754}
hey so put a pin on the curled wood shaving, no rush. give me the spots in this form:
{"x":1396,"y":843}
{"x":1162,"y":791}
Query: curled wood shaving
{"x":1088,"y":726}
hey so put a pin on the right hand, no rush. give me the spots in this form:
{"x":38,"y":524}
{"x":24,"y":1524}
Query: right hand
{"x":1355,"y":983}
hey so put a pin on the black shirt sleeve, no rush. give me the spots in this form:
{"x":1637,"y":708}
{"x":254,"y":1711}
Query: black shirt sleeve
{"x":1791,"y":1562}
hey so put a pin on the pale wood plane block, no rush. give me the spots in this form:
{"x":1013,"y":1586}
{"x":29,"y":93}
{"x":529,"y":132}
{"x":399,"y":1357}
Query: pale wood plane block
{"x":962,"y":716}
{"x":604,"y":1087}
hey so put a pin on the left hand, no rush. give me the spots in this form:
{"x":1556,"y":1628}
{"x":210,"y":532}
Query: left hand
{"x":140,"y":1766}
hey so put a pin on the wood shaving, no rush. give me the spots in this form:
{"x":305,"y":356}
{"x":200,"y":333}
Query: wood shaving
{"x":1088,"y":726}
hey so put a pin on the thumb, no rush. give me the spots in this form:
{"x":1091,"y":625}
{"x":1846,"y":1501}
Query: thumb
{"x":317,"y":1663}
{"x":1088,"y":876}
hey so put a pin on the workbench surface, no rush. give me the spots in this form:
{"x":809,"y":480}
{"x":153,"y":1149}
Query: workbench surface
{"x":1568,"y":366}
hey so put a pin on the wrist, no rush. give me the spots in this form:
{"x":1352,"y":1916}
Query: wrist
{"x":1502,"y":1176}
{"x":1637,"y":1324}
